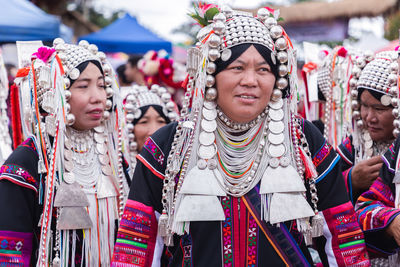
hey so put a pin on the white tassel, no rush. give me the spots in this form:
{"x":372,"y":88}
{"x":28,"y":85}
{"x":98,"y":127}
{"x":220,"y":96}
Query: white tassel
{"x":317,"y":225}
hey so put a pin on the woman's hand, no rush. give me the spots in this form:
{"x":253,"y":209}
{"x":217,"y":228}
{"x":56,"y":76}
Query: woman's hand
{"x":394,"y":229}
{"x":365,"y":173}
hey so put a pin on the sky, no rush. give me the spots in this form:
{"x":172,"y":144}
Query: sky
{"x":163,"y":16}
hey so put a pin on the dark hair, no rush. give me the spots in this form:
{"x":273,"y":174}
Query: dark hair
{"x":134,"y":59}
{"x":121,"y":73}
{"x":159,"y":110}
{"x":81,"y":67}
{"x":376,"y":94}
{"x":238,"y":50}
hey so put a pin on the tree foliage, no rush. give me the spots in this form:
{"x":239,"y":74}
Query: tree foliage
{"x":392,"y":26}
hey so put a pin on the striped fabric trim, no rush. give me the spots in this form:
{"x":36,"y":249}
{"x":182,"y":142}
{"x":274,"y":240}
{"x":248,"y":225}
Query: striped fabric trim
{"x":150,"y":167}
{"x":15,"y":248}
{"x":345,"y":240}
{"x":327,"y":170}
{"x":136,"y":236}
{"x":346,"y":159}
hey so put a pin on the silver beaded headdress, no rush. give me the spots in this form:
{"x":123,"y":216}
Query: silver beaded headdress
{"x":378,"y":74}
{"x":197,"y":147}
{"x":48,"y":82}
{"x":140,"y":96}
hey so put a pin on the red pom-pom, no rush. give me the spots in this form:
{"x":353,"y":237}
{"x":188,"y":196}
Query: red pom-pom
{"x":342,"y":52}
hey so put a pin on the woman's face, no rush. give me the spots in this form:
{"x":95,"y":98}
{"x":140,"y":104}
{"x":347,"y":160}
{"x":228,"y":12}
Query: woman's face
{"x":147,"y":125}
{"x":88,"y":98}
{"x":245,"y":86}
{"x":377,"y":118}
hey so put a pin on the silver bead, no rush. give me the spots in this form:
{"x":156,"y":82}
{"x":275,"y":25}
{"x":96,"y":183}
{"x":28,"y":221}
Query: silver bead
{"x":58,"y":41}
{"x":170,"y":106}
{"x":394,"y":67}
{"x":84,"y":43}
{"x":353,"y":83}
{"x":282,"y":70}
{"x":211,"y":94}
{"x":108,"y":81}
{"x":354,"y":94}
{"x":211,"y":67}
{"x":369,"y":55}
{"x":129,"y":117}
{"x":356,"y":114}
{"x":281,"y":43}
{"x":282,"y":83}
{"x":282,"y":57}
{"x":106,"y":115}
{"x":276,"y":31}
{"x":219,"y":17}
{"x":227,"y":11}
{"x":356,"y":71}
{"x":360,"y":124}
{"x":360,"y":62}
{"x":269,"y":22}
{"x":70,"y":119}
{"x":395,"y":112}
{"x":172,"y":116}
{"x":67,"y":83}
{"x":392,"y":78}
{"x":210,"y":80}
{"x":107,"y":69}
{"x":276,"y":94}
{"x":165,"y":97}
{"x":102,"y":56}
{"x":108,"y":104}
{"x":214,"y":41}
{"x":393,"y":90}
{"x":130,"y":127}
{"x":213,"y":54}
{"x":219,"y":27}
{"x":355,"y":105}
{"x":109,"y":92}
{"x":396,"y":123}
{"x":67,"y":107}
{"x":394,"y":102}
{"x":129,"y":107}
{"x":262,"y":13}
{"x":93,"y":48}
{"x":396,"y":132}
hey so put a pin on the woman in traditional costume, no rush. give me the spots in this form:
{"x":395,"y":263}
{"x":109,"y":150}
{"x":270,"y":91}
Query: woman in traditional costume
{"x":373,"y":86}
{"x":240,"y":180}
{"x":62,"y":189}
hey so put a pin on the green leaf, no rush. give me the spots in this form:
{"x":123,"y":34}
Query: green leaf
{"x":210,"y":13}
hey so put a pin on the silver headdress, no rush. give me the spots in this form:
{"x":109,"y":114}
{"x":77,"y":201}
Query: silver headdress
{"x":203,"y":150}
{"x":377,"y":73}
{"x":71,"y":159}
{"x":140,"y":96}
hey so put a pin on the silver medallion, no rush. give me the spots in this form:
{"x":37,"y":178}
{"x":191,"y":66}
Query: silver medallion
{"x":68,"y":154}
{"x":276,"y":127}
{"x":101,"y":148}
{"x":284,"y":161}
{"x":99,"y":138}
{"x":212,"y":163}
{"x":274,"y":162}
{"x":104,"y":160}
{"x":106,"y":169}
{"x":366,"y":136}
{"x":276,"y":150}
{"x":386,"y":100}
{"x":206,"y":152}
{"x":276,"y":114}
{"x":208,"y":126}
{"x":206,"y":138}
{"x":99,"y":129}
{"x":69,"y":177}
{"x":74,"y":74}
{"x":276,"y":104}
{"x":201,"y":164}
{"x":209,"y":114}
{"x":68,"y":165}
{"x":210,"y":104}
{"x":276,"y":139}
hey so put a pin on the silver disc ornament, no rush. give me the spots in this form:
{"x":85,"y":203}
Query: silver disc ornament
{"x":276,"y":127}
{"x":276,"y":139}
{"x":276,"y":114}
{"x":209,"y":114}
{"x":276,"y":104}
{"x":69,"y":177}
{"x":208,"y":126}
{"x":276,"y":150}
{"x":210,"y":104}
{"x":206,"y":138}
{"x":206,"y":152}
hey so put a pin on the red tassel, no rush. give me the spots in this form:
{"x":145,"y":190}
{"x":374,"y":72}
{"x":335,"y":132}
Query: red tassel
{"x":310,"y":171}
{"x":15,"y":116}
{"x":342,"y":52}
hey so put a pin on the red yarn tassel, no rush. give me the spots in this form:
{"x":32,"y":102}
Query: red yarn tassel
{"x":310,"y":171}
{"x":15,"y":116}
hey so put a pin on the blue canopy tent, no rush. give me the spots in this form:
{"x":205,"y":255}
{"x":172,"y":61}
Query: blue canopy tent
{"x":20,"y":20}
{"x":128,"y":36}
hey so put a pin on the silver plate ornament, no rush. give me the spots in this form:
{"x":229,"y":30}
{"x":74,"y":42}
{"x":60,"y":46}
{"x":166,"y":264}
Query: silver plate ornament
{"x":210,"y":104}
{"x":276,"y":104}
{"x":68,"y":154}
{"x":99,"y":137}
{"x":366,"y":136}
{"x":101,"y":148}
{"x":69,"y":177}
{"x":201,"y":164}
{"x":106,"y":169}
{"x":74,"y":74}
{"x":276,"y":114}
{"x":99,"y":129}
{"x":209,"y":114}
{"x":276,"y":127}
{"x":68,"y":165}
{"x":386,"y":100}
{"x":276,"y":139}
{"x":206,"y":152}
{"x":212,"y":164}
{"x":368,"y":143}
{"x":206,"y":138}
{"x":208,"y":126}
{"x":276,"y":151}
{"x":104,"y":160}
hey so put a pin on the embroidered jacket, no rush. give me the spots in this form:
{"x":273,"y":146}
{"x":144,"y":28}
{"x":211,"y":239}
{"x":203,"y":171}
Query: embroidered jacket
{"x":247,"y":241}
{"x":375,"y":207}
